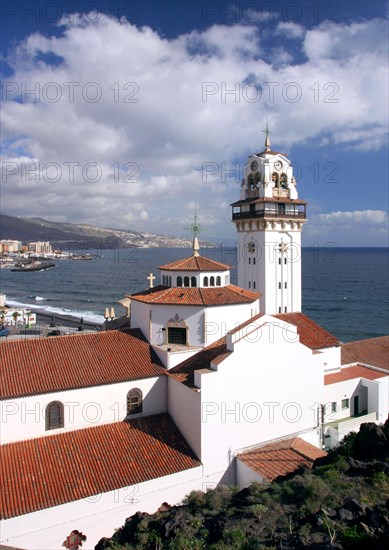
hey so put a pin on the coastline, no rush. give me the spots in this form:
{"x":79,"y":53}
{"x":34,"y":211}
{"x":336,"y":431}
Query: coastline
{"x":44,"y":319}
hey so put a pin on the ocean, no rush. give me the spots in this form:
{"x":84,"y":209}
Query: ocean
{"x":346,"y":290}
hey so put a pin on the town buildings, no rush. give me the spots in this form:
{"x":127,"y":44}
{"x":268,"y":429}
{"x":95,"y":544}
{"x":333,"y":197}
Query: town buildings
{"x":212,"y":384}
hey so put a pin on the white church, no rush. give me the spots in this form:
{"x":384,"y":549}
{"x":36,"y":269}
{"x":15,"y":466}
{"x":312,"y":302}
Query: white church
{"x":212,"y":384}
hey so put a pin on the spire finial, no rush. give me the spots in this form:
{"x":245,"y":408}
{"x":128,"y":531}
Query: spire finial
{"x":266,"y":131}
{"x":195,"y":228}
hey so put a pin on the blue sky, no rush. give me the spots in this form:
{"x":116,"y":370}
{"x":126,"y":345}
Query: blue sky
{"x":139,"y":110}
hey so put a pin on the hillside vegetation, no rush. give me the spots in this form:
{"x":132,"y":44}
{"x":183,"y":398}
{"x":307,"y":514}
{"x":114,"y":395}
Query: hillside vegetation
{"x":341,"y":503}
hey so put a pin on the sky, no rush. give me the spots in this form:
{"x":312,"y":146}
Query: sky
{"x":127,"y":114}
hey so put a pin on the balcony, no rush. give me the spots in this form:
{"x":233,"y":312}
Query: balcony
{"x":280,"y":212}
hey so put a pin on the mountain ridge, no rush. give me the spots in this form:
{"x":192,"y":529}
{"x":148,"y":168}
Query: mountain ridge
{"x":27,"y":229}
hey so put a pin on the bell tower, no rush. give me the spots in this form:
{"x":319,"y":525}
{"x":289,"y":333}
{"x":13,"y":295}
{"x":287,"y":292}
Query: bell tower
{"x":269,"y":217}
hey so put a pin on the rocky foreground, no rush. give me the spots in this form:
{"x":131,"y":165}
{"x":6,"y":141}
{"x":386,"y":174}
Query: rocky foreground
{"x":342,"y":503}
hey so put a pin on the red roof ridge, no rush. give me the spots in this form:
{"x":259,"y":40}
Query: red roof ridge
{"x":370,"y":351}
{"x":45,"y":365}
{"x":281,"y":457}
{"x":202,"y":296}
{"x":195,"y":263}
{"x":311,"y":333}
{"x":43,"y":468}
{"x":214,"y":353}
{"x":354,"y":371}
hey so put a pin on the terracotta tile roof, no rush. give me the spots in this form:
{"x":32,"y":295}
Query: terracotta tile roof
{"x":52,"y":470}
{"x":67,"y":362}
{"x":348,"y":373}
{"x":195,"y":263}
{"x":281,"y":458}
{"x":311,"y":334}
{"x":373,"y":351}
{"x":217,"y":296}
{"x":184,"y":372}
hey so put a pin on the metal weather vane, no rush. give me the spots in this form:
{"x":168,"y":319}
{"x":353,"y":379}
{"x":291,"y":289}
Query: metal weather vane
{"x":266,"y":131}
{"x":195,"y":228}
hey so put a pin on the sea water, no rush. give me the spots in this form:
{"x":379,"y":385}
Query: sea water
{"x":344,"y":289}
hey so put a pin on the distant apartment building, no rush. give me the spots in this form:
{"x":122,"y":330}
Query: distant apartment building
{"x":40,"y":247}
{"x":11,"y":245}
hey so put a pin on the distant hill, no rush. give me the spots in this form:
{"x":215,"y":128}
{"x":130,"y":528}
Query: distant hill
{"x":67,"y":235}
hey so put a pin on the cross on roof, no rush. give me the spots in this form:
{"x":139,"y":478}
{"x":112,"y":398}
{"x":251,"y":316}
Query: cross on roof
{"x":151,"y":278}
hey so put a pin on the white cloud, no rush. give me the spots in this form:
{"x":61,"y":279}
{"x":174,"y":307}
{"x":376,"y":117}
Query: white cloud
{"x":358,"y":227}
{"x":288,"y":29}
{"x":152,"y":128}
{"x":357,"y":216}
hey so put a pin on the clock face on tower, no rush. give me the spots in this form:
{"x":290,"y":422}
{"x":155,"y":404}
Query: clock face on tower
{"x":254,"y":165}
{"x":278,"y":165}
{"x":251,"y":247}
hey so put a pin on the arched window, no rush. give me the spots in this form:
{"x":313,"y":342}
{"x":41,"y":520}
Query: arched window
{"x":179,"y":281}
{"x":205,"y":281}
{"x":257,"y":178}
{"x":134,"y":401}
{"x":186,"y":281}
{"x":274,"y":179}
{"x":218,"y":281}
{"x":212,"y":281}
{"x":193,"y":281}
{"x":54,"y":415}
{"x":250,"y":182}
{"x":163,"y":279}
{"x":170,"y":280}
{"x":283,"y":181}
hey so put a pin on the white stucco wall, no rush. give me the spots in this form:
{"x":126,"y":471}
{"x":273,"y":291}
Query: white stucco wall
{"x":331,"y":358}
{"x":245,"y":475}
{"x":199,"y":276}
{"x":24,"y":418}
{"x":184,"y":406}
{"x":221,"y":319}
{"x":97,"y":516}
{"x":268,"y":388}
{"x":205,"y":324}
{"x":267,"y":272}
{"x":378,"y":397}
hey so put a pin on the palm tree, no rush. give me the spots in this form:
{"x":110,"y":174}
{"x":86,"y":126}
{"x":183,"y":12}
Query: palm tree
{"x":15,"y":316}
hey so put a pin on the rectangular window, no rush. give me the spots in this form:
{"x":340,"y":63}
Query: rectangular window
{"x":284,"y":260}
{"x":279,"y":310}
{"x":249,"y":284}
{"x":249,"y":261}
{"x":334,"y":407}
{"x":254,"y":284}
{"x":176,"y":335}
{"x":254,"y":261}
{"x":286,"y":285}
{"x":279,"y":285}
{"x":279,"y":261}
{"x":286,"y":309}
{"x":345,"y":403}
